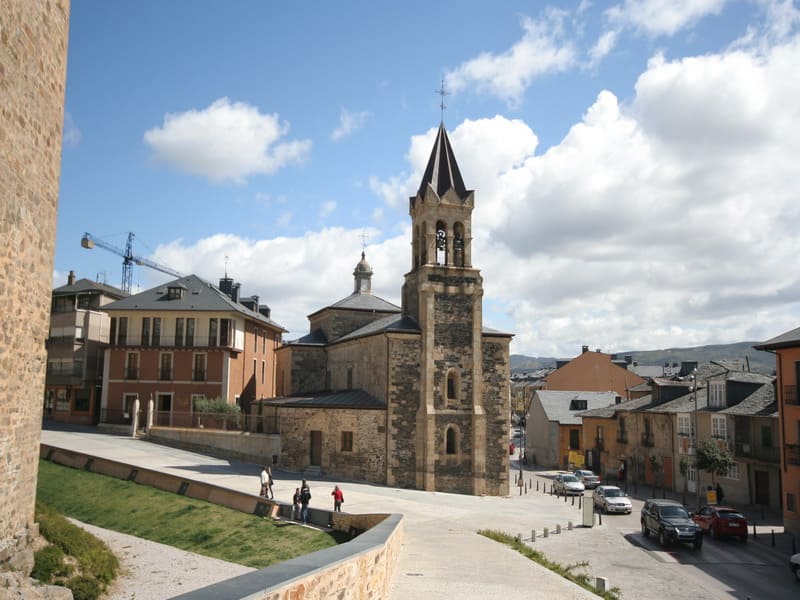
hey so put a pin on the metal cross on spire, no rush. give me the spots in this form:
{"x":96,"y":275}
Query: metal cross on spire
{"x":363,"y":237}
{"x":442,"y":92}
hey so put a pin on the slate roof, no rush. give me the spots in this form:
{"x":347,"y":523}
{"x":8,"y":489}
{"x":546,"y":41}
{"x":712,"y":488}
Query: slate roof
{"x":315,"y":338}
{"x":87,"y":285}
{"x":784,"y":340}
{"x":608,"y":412}
{"x":685,"y":403}
{"x":442,"y":172}
{"x":396,"y":323}
{"x":744,"y":377}
{"x":200,"y":295}
{"x":556,"y":404}
{"x":362,"y":301}
{"x":358,"y":399}
{"x":761,"y":403}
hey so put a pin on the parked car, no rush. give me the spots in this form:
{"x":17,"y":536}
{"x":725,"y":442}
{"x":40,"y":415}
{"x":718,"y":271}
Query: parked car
{"x":567,"y":484}
{"x":794,"y":565}
{"x":611,"y":499}
{"x":587,"y":478}
{"x":670,"y":522}
{"x":719,"y":521}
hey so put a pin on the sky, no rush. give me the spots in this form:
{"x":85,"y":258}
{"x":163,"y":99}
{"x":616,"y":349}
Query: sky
{"x":634,"y":162}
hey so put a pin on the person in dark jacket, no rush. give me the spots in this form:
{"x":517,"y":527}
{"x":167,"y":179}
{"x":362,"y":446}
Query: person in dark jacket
{"x":305,"y":498}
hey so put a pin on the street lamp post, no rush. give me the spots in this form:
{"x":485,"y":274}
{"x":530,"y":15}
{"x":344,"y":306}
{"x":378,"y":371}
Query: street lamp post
{"x":696,"y":436}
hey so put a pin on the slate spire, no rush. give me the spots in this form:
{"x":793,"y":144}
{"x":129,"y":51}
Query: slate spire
{"x":442,"y":172}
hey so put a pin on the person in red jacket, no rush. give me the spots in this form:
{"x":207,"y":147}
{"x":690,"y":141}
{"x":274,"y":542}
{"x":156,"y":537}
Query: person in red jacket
{"x":338,"y":498}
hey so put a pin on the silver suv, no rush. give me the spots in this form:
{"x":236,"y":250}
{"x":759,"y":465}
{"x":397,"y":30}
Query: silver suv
{"x":670,"y":522}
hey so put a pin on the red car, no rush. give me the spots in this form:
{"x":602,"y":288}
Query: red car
{"x":719,"y":521}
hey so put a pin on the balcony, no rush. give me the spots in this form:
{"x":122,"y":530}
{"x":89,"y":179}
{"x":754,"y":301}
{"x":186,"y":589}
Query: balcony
{"x":790,"y":395}
{"x":792,"y":454}
{"x":599,"y":444}
{"x":169,"y":341}
{"x":647,"y":439}
{"x":756,"y":452}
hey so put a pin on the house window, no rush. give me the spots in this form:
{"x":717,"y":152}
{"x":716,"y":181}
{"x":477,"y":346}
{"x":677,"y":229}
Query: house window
{"x":164,"y":403}
{"x":622,"y":434}
{"x":225,"y":332}
{"x":719,"y":427}
{"x":255,"y":339}
{"x":62,"y":399}
{"x":349,"y":378}
{"x":574,"y":439}
{"x":190,"y":331}
{"x":441,"y":243}
{"x":263,"y":371}
{"x":132,"y":365}
{"x":156,"y":331}
{"x":733,"y":472}
{"x":451,"y":441}
{"x":716,"y":394}
{"x":347,"y":441}
{"x":766,"y":436}
{"x":82,"y":401}
{"x":255,"y":366}
{"x":83,"y":301}
{"x":112,"y":334}
{"x":212,"y":332}
{"x":199,"y":367}
{"x":179,"y":331}
{"x":174,"y":293}
{"x":122,"y":331}
{"x":684,"y":424}
{"x":165,"y":366}
{"x":264,"y":342}
{"x":145,"y":331}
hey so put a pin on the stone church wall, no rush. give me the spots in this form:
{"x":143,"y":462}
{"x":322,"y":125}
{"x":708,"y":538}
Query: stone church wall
{"x":367,"y":460}
{"x":497,"y":407}
{"x":453,"y":333}
{"x":338,"y":322}
{"x":403,"y":404}
{"x":303,"y":367}
{"x":367,"y":359}
{"x":33,"y":60}
{"x":454,"y":472}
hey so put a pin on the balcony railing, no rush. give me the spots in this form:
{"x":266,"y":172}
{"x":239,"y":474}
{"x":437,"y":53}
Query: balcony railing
{"x":622,"y":437}
{"x":790,"y":394}
{"x":793,"y":454}
{"x":170,"y":341}
{"x":165,"y":374}
{"x":599,"y":443}
{"x":131,"y":373}
{"x":199,"y":375}
{"x":647,"y":439}
{"x":749,"y":450}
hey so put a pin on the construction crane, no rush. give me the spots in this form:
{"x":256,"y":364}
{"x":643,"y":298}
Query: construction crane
{"x":128,"y":259}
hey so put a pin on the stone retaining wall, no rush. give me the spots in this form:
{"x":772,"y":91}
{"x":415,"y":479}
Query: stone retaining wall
{"x":361,"y":568}
{"x":257,"y":448}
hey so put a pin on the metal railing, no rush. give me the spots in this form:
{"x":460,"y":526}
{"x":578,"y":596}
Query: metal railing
{"x":792,"y":454}
{"x":170,"y":341}
{"x":790,"y":394}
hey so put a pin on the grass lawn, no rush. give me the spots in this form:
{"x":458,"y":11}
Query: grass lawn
{"x":178,"y":521}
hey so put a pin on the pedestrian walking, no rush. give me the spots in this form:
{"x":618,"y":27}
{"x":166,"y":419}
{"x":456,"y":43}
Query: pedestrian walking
{"x":305,"y":498}
{"x":270,"y":481}
{"x":338,"y":498}
{"x":296,"y":505}
{"x":264,"y":478}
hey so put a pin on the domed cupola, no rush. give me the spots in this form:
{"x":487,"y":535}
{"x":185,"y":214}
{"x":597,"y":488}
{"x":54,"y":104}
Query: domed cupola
{"x":363,"y":276}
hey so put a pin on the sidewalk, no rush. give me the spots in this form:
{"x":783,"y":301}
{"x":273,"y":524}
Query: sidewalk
{"x":442,"y":555}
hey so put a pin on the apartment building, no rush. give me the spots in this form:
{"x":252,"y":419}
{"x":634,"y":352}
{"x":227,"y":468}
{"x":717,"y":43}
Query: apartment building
{"x":75,"y":344}
{"x":185,"y":341}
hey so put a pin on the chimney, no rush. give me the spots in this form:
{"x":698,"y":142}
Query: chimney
{"x":71,"y":278}
{"x":235,"y":291}
{"x":584,"y":349}
{"x":226,"y":285}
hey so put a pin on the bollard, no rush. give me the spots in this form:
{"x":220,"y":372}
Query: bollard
{"x":545,"y":532}
{"x":533,"y":535}
{"x":526,"y":490}
{"x":754,"y":530}
{"x":537,"y":485}
{"x":569,"y":525}
{"x":580,"y":502}
{"x":515,"y":478}
{"x":773,"y":538}
{"x":565,"y":497}
{"x":573,"y":501}
{"x":520,"y":491}
{"x":558,"y":528}
{"x":600,"y":517}
{"x":601,"y":584}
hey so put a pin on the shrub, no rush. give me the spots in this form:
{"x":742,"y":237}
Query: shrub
{"x":48,"y":563}
{"x":84,"y":588}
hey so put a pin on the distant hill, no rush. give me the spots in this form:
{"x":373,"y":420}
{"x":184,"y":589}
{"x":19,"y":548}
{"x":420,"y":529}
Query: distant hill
{"x":760,"y":362}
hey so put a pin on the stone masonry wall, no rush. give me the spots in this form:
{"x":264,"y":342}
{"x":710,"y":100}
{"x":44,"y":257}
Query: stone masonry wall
{"x":497,"y":407}
{"x":403,"y":404}
{"x":33,"y":59}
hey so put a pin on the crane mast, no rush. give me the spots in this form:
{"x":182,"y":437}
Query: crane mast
{"x":88,"y":241}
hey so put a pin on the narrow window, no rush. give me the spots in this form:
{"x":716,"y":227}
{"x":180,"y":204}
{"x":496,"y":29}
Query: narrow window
{"x":122,"y":334}
{"x":132,"y":366}
{"x":451,"y":447}
{"x":165,"y":367}
{"x":199,"y":368}
{"x":190,"y":331}
{"x":452,"y":386}
{"x":441,"y":243}
{"x":156,"y":331}
{"x":145,"y":331}
{"x":347,"y":441}
{"x":349,"y":378}
{"x":263,"y":371}
{"x":112,"y":335}
{"x":458,"y":245}
{"x":179,"y":331}
{"x":574,"y":439}
{"x":225,"y":333}
{"x":766,"y":436}
{"x":212,"y":332}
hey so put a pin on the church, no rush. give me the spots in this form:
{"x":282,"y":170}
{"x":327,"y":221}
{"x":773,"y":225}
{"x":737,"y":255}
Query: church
{"x":412,"y":396}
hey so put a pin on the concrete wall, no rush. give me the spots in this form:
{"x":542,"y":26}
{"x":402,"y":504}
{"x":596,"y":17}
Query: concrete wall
{"x":250,"y":447}
{"x":33,"y":61}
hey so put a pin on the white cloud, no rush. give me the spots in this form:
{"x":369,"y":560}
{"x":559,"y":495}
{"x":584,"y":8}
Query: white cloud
{"x":327,"y":208}
{"x":662,"y":17}
{"x":605,"y":44}
{"x":541,"y":50}
{"x":284,"y":219}
{"x":349,"y":123}
{"x":225,"y":141}
{"x":71,"y":135}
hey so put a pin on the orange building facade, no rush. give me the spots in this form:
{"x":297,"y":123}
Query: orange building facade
{"x":593,"y":372}
{"x":787,"y":365}
{"x":182,"y":343}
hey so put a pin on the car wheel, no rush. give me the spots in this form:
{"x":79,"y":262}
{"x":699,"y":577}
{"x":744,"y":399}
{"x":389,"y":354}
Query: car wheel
{"x":662,"y":539}
{"x":645,"y":532}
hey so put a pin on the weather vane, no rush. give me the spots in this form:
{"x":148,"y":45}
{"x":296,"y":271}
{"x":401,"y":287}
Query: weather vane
{"x":442,"y":92}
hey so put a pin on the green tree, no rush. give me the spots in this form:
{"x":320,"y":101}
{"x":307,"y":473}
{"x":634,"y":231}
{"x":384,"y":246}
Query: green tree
{"x":713,"y":459}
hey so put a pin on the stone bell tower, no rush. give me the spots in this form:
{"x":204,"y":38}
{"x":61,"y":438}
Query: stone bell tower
{"x":443,"y":293}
